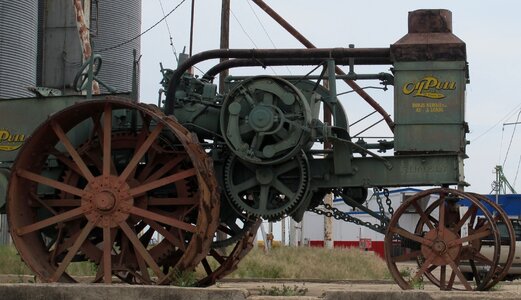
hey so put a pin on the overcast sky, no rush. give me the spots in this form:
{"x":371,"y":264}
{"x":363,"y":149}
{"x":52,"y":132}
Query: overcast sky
{"x":490,"y":30}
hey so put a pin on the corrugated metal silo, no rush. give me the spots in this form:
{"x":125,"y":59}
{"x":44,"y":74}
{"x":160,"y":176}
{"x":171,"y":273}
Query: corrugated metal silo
{"x":116,"y":22}
{"x":18,"y":47}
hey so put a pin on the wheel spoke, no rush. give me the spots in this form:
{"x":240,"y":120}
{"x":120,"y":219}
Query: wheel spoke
{"x":162,"y":219}
{"x":166,"y":234}
{"x":443,"y":275}
{"x":72,"y":151}
{"x":286,"y":167}
{"x":50,"y":182}
{"x":456,"y":270}
{"x":141,"y":250}
{"x":64,"y":202}
{"x":206,"y":266}
{"x":218,"y":257}
{"x":424,"y":267}
{"x":42,"y":203}
{"x":283,"y":189}
{"x":451,"y":280}
{"x":73,"y":251}
{"x":441,"y":217}
{"x":68,"y":215}
{"x":471,"y":237}
{"x":107,"y":255}
{"x":422,"y":214}
{"x":65,"y":160}
{"x":141,"y":152}
{"x":107,"y":140}
{"x":483,"y":259}
{"x":143,"y":268}
{"x":163,"y":170}
{"x":162,"y":182}
{"x":470,"y":212}
{"x":263,"y":197}
{"x":410,"y":235}
{"x":246,"y":185}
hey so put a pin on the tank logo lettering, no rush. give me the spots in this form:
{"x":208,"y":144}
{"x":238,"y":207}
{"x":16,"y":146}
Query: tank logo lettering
{"x":429,"y":87}
{"x":10,"y":141}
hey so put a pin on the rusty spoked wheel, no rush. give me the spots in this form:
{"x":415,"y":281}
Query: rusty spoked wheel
{"x":466,"y":219}
{"x":440,"y":242}
{"x":102,"y":181}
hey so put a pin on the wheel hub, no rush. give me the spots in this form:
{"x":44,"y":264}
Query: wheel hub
{"x":264,"y":175}
{"x":109,"y":199}
{"x":105,"y":201}
{"x":261,"y":118}
{"x":439,"y":248}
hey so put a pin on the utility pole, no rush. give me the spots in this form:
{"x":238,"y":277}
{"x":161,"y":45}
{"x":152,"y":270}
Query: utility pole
{"x":283,"y":231}
{"x":192,"y":16}
{"x":330,"y":84}
{"x":225,"y":39}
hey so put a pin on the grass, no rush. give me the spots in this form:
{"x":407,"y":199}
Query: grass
{"x":283,"y":262}
{"x":284,"y":291}
{"x":11,"y":263}
{"x":312,"y":263}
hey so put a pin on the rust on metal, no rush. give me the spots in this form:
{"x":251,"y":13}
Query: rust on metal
{"x":84,"y":35}
{"x":113,"y":205}
{"x":429,"y":38}
{"x":437,"y":242}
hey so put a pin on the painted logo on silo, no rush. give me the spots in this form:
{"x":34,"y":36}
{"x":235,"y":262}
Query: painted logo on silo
{"x":10,"y":141}
{"x":428,"y":87}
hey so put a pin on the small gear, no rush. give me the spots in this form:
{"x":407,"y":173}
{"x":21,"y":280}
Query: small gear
{"x":266,"y":191}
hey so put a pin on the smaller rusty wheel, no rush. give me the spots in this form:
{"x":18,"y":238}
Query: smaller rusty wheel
{"x":437,"y":243}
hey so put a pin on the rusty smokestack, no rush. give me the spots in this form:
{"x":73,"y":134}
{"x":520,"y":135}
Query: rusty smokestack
{"x":429,"y":38}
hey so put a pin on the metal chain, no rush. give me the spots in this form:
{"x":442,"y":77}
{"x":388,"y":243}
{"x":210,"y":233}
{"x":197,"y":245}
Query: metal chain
{"x":342,"y":216}
{"x":380,"y":206}
{"x":388,"y":201}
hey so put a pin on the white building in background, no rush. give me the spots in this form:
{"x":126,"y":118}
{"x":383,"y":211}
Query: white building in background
{"x":351,"y":235}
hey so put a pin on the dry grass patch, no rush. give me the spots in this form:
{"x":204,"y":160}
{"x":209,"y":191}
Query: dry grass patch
{"x":312,"y":263}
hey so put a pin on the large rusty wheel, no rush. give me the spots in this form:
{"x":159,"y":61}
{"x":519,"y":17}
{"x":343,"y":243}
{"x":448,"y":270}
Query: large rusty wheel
{"x":438,"y":243}
{"x":102,"y":181}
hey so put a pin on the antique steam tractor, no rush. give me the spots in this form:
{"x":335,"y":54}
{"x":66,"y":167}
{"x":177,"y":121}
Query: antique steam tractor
{"x":101,"y":179}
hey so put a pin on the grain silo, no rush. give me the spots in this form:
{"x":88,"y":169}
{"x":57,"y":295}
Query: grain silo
{"x":18,"y":47}
{"x":115,"y":25}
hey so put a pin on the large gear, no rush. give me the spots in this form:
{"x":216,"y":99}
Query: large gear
{"x":266,"y":191}
{"x":265,"y":120}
